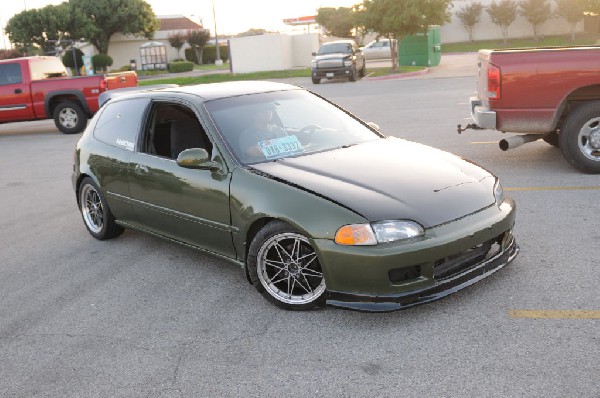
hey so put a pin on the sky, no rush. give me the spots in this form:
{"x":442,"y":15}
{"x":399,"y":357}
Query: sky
{"x":232,"y":16}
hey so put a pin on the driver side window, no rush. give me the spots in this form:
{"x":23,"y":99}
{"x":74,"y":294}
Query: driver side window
{"x":173,"y":128}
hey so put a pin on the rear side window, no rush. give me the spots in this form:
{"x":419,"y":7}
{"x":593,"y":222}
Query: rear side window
{"x":119,"y":122}
{"x":10,"y":74}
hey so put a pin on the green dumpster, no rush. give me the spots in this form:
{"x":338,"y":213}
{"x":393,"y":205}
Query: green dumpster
{"x":422,"y":49}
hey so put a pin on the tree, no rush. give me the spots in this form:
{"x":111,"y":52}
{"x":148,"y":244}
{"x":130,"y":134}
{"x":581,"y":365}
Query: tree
{"x":338,"y":21}
{"x":536,"y":12}
{"x":252,"y":32}
{"x":43,"y":28}
{"x":107,"y":17}
{"x":503,"y":14}
{"x":396,"y":19}
{"x":572,"y":11}
{"x":177,"y":40}
{"x":197,"y":39}
{"x":469,"y":17}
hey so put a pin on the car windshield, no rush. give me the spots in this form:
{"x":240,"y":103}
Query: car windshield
{"x":335,"y":48}
{"x":271,"y":126}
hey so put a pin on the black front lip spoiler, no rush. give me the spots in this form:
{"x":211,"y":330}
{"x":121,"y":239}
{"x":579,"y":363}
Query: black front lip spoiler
{"x":387,"y":303}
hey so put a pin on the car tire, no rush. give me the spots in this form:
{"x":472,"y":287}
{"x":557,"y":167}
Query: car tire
{"x":579,"y":138}
{"x":285,"y":269}
{"x":95,"y":212}
{"x":363,"y":70}
{"x":352,"y":76}
{"x":69,"y":117}
{"x":316,"y":80}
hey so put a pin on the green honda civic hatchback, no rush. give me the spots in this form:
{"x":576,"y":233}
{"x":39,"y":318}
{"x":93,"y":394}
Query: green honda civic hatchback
{"x":316,"y":206}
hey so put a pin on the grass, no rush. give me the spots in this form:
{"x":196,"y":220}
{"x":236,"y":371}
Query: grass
{"x":548,"y":41}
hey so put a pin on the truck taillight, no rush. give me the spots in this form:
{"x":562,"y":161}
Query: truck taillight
{"x":103,"y":85}
{"x":494,"y":82}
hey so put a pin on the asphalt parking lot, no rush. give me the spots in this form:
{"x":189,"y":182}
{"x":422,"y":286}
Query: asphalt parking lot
{"x":141,"y":317}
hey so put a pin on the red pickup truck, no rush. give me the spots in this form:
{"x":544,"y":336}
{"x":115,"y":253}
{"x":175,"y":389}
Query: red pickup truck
{"x":34,"y":88}
{"x":549,"y":93}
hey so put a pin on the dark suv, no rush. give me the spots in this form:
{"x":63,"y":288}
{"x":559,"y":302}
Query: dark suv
{"x":337,"y":59}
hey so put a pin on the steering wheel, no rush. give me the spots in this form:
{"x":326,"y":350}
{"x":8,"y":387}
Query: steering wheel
{"x":309,"y":130}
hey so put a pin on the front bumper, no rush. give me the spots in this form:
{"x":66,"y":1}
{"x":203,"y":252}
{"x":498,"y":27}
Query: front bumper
{"x":481,"y":115}
{"x":386,"y":303}
{"x":399,"y":275}
{"x":329,"y":73}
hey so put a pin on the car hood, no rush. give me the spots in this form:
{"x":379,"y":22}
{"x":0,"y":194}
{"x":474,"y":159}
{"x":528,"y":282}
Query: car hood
{"x":332,"y":56}
{"x":391,"y":179}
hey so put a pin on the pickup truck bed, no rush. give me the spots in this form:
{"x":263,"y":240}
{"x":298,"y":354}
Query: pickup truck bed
{"x":33,"y":88}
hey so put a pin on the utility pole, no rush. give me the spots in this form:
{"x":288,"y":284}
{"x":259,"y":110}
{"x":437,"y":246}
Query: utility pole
{"x":218,"y":61}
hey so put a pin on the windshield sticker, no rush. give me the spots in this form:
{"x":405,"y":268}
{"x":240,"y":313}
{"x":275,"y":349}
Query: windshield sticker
{"x":280,"y":147}
{"x":126,"y":144}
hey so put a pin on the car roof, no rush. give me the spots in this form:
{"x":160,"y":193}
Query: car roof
{"x":232,"y":89}
{"x":206,"y":92}
{"x":339,"y":41}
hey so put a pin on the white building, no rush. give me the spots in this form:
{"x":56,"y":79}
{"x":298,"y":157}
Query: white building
{"x":486,"y":30}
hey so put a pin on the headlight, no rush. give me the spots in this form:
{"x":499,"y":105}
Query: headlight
{"x":498,"y":193}
{"x":390,"y":231}
{"x":348,"y":62}
{"x":379,"y":232}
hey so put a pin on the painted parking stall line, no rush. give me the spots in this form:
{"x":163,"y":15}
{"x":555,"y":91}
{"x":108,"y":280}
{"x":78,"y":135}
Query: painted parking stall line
{"x":554,"y":314}
{"x":574,"y":188}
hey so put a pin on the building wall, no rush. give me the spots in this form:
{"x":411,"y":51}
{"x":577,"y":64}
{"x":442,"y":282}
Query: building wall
{"x":486,"y":30}
{"x":272,"y":52}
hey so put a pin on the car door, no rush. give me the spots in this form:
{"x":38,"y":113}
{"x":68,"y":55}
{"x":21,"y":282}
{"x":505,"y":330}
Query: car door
{"x":116,"y":128}
{"x":15,"y":95}
{"x":187,"y":205}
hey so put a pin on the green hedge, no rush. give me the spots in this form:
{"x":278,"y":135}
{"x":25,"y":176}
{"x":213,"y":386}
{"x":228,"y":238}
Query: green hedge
{"x":209,"y":54}
{"x":180,"y":66}
{"x":101,"y":62}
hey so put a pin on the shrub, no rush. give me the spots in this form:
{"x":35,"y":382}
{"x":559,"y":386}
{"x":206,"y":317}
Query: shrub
{"x":68,"y":60}
{"x":9,"y":54}
{"x":180,"y":66}
{"x":209,"y":55}
{"x":101,"y":62}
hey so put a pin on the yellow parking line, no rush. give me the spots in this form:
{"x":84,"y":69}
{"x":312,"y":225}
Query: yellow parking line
{"x":580,"y":188}
{"x":554,"y":314}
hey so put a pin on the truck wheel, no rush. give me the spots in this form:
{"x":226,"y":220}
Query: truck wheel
{"x":363,"y":70}
{"x":579,"y":138}
{"x":352,"y":77}
{"x":316,"y":80}
{"x":69,"y":117}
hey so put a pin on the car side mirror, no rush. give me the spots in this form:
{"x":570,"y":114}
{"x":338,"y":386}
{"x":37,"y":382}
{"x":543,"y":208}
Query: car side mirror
{"x":197,"y":158}
{"x":314,"y":54}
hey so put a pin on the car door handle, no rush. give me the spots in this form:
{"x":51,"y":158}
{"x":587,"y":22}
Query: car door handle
{"x":141,"y":169}
{"x":18,"y":91}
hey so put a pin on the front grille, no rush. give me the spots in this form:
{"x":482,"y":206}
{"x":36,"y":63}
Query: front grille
{"x":330,"y":63}
{"x":459,"y":262}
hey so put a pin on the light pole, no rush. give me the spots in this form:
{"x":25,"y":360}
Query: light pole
{"x":218,"y":60}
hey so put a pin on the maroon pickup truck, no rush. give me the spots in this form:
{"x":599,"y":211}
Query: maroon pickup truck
{"x":549,"y":93}
{"x":34,"y":88}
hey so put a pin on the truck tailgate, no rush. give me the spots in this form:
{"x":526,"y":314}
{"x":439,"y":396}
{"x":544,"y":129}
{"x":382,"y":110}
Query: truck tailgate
{"x":121,"y":80}
{"x":483,"y":60}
